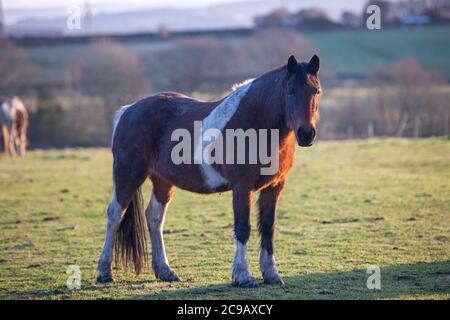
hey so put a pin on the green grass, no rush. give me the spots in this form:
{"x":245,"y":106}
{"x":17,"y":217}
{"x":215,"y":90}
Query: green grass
{"x":347,"y":205}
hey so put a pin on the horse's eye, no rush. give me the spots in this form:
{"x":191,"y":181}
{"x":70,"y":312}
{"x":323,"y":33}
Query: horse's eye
{"x":316,"y":91}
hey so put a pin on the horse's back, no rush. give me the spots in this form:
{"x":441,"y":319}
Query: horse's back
{"x":19,"y":107}
{"x":142,"y":138}
{"x":158,"y":112}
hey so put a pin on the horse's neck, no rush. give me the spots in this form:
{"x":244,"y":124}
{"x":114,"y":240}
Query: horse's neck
{"x":266,"y":96}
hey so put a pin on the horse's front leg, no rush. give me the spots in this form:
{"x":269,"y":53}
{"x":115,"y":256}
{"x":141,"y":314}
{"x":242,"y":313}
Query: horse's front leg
{"x":241,"y":276}
{"x":267,"y":202}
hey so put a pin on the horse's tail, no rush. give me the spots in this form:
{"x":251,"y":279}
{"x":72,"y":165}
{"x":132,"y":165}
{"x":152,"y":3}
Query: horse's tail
{"x":131,"y":239}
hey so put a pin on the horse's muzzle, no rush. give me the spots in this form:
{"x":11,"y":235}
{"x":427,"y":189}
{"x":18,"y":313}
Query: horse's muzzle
{"x":306,"y":138}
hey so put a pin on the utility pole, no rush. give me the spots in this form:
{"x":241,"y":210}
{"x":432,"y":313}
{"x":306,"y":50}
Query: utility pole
{"x":88,"y":16}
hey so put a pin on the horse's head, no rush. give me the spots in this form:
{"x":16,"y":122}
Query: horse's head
{"x":302,"y":98}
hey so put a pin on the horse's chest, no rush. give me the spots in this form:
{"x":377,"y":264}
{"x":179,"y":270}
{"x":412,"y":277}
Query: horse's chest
{"x":285,"y":163}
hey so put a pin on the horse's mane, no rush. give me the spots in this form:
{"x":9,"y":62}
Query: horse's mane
{"x":239,"y":85}
{"x":272,"y":72}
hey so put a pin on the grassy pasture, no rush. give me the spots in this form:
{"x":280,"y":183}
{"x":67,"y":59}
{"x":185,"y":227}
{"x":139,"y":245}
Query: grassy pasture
{"x":347,"y":205}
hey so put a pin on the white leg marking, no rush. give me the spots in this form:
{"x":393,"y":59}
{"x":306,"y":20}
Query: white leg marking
{"x":217,"y":119}
{"x":156,"y":213}
{"x":115,"y":214}
{"x":268,"y":268}
{"x":240,"y":273}
{"x":155,"y":218}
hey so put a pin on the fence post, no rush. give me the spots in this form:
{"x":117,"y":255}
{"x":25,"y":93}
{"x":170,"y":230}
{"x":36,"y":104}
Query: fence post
{"x":446,"y":122}
{"x":370,"y":130}
{"x":350,"y":132}
{"x":416,"y":127}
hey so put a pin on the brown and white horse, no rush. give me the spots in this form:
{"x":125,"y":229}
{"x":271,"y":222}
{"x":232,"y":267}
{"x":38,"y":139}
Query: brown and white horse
{"x":13,"y":126}
{"x":284,"y":99}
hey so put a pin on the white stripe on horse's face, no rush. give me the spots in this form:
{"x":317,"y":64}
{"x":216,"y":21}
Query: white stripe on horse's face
{"x":218,"y":119}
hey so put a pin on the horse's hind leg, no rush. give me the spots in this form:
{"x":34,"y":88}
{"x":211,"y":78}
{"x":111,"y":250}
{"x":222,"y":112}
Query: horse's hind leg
{"x":22,"y":139}
{"x":115,"y":213}
{"x":125,"y":186}
{"x":156,"y":211}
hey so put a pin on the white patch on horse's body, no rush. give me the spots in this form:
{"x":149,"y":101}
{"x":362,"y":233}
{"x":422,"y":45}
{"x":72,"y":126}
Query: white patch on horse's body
{"x":218,"y":119}
{"x":117,"y":117}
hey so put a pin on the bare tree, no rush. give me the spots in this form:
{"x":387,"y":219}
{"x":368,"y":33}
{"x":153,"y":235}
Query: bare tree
{"x":409,"y":89}
{"x":194,"y":64}
{"x":205,"y":64}
{"x":269,"y":48}
{"x":111,"y":71}
{"x":15,"y":66}
{"x":414,"y":85}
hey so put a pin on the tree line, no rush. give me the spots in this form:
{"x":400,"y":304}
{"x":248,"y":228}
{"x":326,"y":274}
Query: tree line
{"x":402,"y":99}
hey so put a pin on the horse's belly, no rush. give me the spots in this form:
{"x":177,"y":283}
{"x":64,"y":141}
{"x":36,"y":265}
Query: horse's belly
{"x":192,"y":177}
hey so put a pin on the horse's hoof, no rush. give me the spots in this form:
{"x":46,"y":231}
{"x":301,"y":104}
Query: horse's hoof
{"x":249,"y":282}
{"x":166,"y":274}
{"x":275,"y":280}
{"x":105,"y":278}
{"x":170,"y":277}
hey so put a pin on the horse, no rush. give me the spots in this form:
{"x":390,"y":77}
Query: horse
{"x":284,"y":99}
{"x":14,"y":122}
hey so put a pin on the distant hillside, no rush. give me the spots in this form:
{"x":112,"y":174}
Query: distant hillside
{"x":222,"y":16}
{"x":344,"y":53}
{"x":360,"y":52}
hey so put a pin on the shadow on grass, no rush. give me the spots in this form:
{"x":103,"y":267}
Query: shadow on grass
{"x":421,"y":279}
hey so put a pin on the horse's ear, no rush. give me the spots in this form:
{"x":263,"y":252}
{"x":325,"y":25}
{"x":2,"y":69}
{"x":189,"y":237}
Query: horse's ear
{"x":292,"y":65}
{"x":314,"y":65}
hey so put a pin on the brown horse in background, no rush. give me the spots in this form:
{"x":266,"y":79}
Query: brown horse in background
{"x":14,"y":122}
{"x":284,"y":99}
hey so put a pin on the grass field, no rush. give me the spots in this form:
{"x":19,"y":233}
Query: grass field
{"x":347,"y":205}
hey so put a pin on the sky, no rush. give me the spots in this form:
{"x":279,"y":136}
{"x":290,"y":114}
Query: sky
{"x":16,"y":10}
{"x":28,"y":4}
